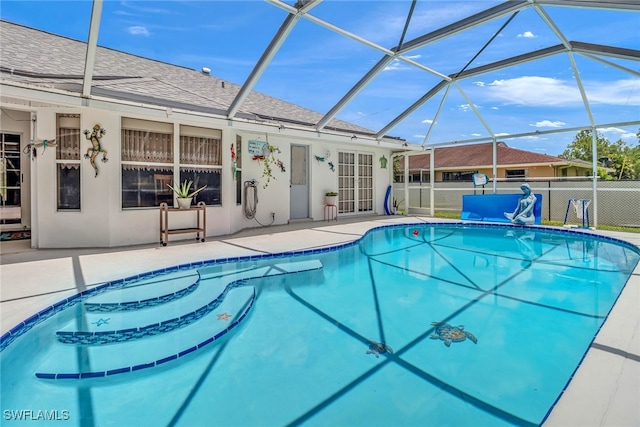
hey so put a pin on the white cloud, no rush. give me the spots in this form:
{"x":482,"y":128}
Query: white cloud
{"x":622,"y":134}
{"x":611,"y":129}
{"x":536,"y":91}
{"x":617,"y":92}
{"x":138,"y":30}
{"x":494,"y":108}
{"x":467,"y":107}
{"x":480,"y":84}
{"x":476,"y":134}
{"x":428,"y":121}
{"x":527,"y":35}
{"x":548,"y":124}
{"x":396,"y":65}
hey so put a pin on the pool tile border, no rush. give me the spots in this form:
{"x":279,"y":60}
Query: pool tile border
{"x":24,"y":326}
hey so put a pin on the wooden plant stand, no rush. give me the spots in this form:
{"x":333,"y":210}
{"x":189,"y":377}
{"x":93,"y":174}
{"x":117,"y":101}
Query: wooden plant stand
{"x":201,"y":222}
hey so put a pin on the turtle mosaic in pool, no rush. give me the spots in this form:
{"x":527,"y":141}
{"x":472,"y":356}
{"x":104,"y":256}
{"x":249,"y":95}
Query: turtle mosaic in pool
{"x":449,"y":334}
{"x":287,"y":339}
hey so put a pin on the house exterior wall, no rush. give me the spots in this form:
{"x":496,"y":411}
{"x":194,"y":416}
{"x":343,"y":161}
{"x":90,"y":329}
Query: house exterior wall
{"x":102,"y":222}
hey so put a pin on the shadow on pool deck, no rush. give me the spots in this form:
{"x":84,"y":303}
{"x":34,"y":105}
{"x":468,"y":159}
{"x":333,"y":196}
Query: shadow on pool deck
{"x":603,"y":392}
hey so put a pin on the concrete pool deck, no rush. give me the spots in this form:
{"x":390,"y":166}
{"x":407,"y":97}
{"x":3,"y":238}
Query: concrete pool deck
{"x":605,"y":390}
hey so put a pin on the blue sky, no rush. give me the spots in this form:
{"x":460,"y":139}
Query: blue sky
{"x":316,"y":66}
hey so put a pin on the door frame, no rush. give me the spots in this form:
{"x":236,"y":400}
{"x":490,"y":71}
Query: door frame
{"x":299,"y":201}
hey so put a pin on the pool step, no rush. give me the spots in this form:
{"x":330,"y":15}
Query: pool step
{"x":90,"y":361}
{"x":144,"y":294}
{"x":84,"y":353}
{"x":109,"y":328}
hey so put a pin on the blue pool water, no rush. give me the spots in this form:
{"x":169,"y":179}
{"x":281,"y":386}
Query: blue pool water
{"x":291,"y":339}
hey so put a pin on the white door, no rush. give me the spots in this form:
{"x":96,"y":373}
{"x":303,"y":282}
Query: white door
{"x":355,"y":182}
{"x":299,"y":183}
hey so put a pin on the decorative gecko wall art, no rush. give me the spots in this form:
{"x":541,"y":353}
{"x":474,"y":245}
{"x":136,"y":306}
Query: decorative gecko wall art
{"x":95,"y":149}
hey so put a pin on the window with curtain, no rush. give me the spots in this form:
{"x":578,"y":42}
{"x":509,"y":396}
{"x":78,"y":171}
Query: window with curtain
{"x":68,"y":162}
{"x":201,"y":162}
{"x":147,"y":163}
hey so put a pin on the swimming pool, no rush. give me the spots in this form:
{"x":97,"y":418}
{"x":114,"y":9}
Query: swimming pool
{"x":291,"y":339}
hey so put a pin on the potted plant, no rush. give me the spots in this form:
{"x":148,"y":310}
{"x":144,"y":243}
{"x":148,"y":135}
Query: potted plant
{"x":331,"y":198}
{"x":183,"y":193}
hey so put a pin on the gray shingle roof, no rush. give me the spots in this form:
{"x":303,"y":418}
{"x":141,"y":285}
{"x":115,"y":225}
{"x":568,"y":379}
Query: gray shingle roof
{"x":38,"y":58}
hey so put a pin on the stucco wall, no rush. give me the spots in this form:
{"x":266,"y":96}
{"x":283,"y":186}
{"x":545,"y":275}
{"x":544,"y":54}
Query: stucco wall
{"x":101,"y":221}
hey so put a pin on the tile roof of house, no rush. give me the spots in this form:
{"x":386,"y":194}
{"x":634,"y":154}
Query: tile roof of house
{"x":38,"y":58}
{"x":481,"y":155}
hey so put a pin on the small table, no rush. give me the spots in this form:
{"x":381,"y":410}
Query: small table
{"x":201,"y":223}
{"x":330,"y":212}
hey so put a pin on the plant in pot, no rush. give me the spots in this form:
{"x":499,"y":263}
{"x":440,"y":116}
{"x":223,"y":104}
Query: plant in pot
{"x":331,"y":198}
{"x":184,"y":193}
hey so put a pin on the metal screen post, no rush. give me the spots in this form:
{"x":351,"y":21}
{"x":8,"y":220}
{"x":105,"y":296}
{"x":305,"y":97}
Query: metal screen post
{"x":594,"y":166}
{"x":432,"y":182}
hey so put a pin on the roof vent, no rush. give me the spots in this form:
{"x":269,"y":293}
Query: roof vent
{"x":206,"y":70}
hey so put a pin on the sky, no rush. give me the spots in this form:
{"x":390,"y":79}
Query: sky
{"x":316,"y":67}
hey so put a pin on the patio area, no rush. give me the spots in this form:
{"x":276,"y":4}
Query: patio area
{"x":604,"y":391}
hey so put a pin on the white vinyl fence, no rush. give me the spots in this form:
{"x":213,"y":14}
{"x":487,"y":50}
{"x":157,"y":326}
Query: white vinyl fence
{"x":618,"y":202}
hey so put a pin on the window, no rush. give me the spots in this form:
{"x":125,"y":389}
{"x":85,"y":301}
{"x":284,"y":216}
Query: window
{"x":201,"y":162}
{"x":147,"y":163}
{"x":515,"y":173}
{"x":419,"y":177}
{"x":458,"y":176}
{"x":68,"y":162}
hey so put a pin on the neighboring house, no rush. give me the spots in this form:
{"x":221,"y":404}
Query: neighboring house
{"x":459,"y":163}
{"x":164,"y":124}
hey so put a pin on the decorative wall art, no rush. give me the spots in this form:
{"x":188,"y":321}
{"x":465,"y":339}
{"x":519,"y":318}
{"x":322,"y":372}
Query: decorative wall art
{"x":266,"y":153}
{"x":96,"y":148}
{"x":326,"y":156}
{"x":30,"y":149}
{"x":383,"y":162}
{"x":234,"y":162}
